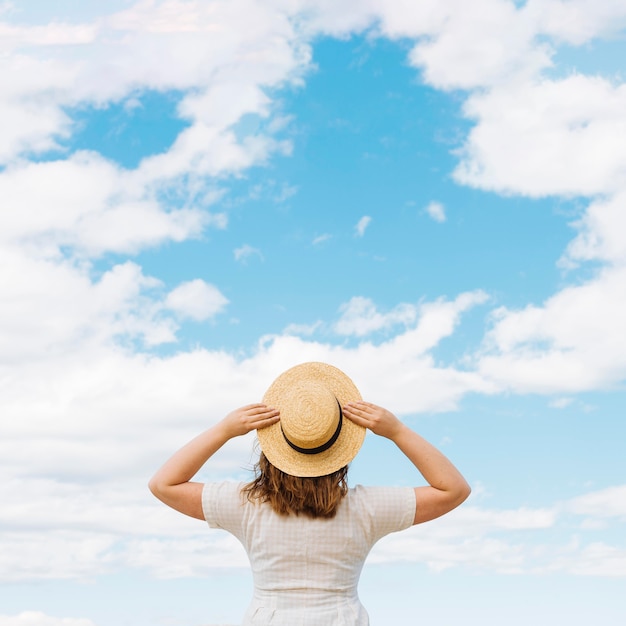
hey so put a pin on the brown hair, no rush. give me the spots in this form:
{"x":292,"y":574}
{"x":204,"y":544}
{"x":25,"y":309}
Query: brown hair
{"x":314,"y":497}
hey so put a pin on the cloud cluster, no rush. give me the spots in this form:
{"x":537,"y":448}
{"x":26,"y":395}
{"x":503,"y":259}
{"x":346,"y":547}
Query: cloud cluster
{"x":532,"y":135}
{"x":185,"y":46}
{"x":539,"y":136}
{"x":89,"y":422}
{"x":563,"y":537}
{"x":517,"y":540}
{"x":538,"y":133}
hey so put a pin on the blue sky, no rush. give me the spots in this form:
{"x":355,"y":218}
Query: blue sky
{"x":199,"y":195}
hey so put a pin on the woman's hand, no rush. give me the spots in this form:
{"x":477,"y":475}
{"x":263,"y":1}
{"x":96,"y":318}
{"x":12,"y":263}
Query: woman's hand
{"x":250,"y":417}
{"x":380,"y":421}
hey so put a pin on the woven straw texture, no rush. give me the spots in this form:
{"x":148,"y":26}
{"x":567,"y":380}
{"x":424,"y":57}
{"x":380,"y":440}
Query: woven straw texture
{"x":308,"y":398}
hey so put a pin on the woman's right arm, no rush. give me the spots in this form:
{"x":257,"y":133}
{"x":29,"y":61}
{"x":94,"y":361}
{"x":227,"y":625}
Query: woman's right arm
{"x":446,"y":486}
{"x":172,"y":483}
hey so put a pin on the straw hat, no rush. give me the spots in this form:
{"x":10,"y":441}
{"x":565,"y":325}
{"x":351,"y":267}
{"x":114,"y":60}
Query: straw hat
{"x":312,"y":437}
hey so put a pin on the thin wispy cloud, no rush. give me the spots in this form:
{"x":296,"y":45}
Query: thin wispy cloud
{"x":304,"y":330}
{"x":244,"y":253}
{"x":321,"y":239}
{"x":560,"y":403}
{"x":362,"y":224}
{"x":286,"y":192}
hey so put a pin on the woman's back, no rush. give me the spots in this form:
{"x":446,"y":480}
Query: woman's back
{"x":306,"y":570}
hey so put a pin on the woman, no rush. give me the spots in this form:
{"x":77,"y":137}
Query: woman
{"x":306,"y":534}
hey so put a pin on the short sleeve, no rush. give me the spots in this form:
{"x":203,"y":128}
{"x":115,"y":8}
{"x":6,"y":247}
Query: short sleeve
{"x":385,"y":510}
{"x":223,"y":506}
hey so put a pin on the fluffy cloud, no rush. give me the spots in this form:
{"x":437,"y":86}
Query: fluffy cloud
{"x":489,"y":42}
{"x":174,"y":46}
{"x":577,"y":21}
{"x":600,"y":233}
{"x":569,"y":344}
{"x":466,"y":50}
{"x":79,"y":313}
{"x":90,"y":205}
{"x":196,"y":299}
{"x":360,"y":317}
{"x":436,"y":211}
{"x":547,"y":137}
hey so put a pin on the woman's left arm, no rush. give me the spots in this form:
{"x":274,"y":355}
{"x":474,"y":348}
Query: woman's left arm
{"x":171,"y":484}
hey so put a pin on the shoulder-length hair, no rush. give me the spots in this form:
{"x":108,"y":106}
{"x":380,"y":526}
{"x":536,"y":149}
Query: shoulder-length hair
{"x":314,"y":497}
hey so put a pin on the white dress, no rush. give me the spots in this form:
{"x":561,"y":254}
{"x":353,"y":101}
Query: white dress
{"x":306,"y":571}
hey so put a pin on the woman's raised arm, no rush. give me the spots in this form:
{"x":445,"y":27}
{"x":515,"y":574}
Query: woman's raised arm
{"x":447,"y":487}
{"x":171,"y":484}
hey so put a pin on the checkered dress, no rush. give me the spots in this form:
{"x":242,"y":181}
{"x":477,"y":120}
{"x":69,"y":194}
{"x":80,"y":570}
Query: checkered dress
{"x":306,"y":571}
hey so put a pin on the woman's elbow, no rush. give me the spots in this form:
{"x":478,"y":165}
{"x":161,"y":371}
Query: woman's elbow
{"x":156,"y":487}
{"x":463,"y":493}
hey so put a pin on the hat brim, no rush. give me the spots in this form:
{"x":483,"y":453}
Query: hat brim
{"x":273,"y":443}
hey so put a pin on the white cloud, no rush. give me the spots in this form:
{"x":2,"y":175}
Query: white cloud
{"x":560,"y":403}
{"x":512,"y":541}
{"x":464,"y":45}
{"x":360,"y":317}
{"x":90,"y":205}
{"x":577,"y":21}
{"x":573,"y":342}
{"x":321,"y":239}
{"x":36,"y":618}
{"x":184,"y":557}
{"x":28,"y":556}
{"x":303,"y":329}
{"x":362,"y":224}
{"x":436,"y":211}
{"x":609,"y":502}
{"x":196,"y":299}
{"x":221,"y":57}
{"x":244,"y":252}
{"x":598,"y":559}
{"x":601,"y":233}
{"x":79,"y":313}
{"x":286,"y":192}
{"x":471,"y":537}
{"x":489,"y":42}
{"x":336,"y":19}
{"x":547,"y":137}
